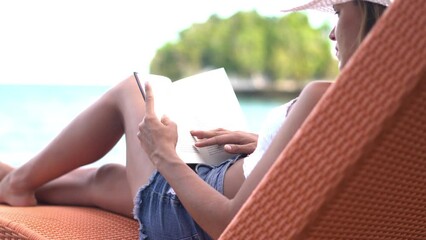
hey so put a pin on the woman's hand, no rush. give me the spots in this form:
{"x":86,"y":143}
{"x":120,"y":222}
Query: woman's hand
{"x":157,"y":138}
{"x":233,"y":141}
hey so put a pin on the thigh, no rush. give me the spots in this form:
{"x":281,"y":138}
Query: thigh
{"x":132,"y":109}
{"x":105,"y":187}
{"x":111,"y":191}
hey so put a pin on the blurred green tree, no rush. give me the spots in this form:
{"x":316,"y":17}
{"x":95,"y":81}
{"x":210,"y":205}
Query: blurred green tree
{"x":247,"y":45}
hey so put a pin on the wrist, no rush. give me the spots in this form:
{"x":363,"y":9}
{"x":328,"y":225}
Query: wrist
{"x":164,"y":159}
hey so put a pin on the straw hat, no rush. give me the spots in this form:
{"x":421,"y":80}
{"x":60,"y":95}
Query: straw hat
{"x":327,"y":5}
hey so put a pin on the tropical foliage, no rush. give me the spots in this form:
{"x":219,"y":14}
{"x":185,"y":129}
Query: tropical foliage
{"x":248,"y":45}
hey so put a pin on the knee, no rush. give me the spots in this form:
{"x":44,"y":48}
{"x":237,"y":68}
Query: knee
{"x":108,"y":174}
{"x":115,"y":94}
{"x":125,"y":87}
{"x":110,"y":189}
{"x":126,"y":96}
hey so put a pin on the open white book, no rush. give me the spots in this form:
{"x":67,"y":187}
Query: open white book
{"x":205,"y":101}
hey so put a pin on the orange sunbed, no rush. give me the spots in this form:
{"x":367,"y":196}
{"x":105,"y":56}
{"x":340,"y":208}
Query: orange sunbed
{"x":355,"y":170}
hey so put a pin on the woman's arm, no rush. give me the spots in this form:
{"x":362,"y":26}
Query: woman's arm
{"x":210,"y":209}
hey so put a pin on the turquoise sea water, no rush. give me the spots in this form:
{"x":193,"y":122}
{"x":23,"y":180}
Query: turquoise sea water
{"x":32,"y":115}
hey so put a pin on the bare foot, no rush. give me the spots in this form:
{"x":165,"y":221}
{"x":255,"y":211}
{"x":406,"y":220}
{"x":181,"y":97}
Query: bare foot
{"x":9,"y":190}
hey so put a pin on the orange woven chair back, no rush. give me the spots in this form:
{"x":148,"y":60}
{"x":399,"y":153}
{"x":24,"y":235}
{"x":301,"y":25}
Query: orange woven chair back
{"x":357,"y":167}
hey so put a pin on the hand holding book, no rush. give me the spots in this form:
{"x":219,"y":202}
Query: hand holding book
{"x":158,"y":138}
{"x":204,"y":101}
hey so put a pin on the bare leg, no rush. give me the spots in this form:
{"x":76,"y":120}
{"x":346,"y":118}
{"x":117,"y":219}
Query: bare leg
{"x":138,"y":166}
{"x":85,"y":140}
{"x":4,"y":170}
{"x":105,"y":187}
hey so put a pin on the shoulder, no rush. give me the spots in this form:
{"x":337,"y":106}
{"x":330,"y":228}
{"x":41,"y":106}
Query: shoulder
{"x":316,"y":88}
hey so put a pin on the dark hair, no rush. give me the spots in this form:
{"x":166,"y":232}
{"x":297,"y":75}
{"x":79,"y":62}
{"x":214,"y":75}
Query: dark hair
{"x":371,"y":12}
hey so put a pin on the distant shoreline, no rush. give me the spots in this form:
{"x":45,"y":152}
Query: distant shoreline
{"x":266,"y":93}
{"x":262,"y":88}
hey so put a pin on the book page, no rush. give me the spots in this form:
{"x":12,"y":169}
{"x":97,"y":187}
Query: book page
{"x":161,"y":87}
{"x":205,"y":101}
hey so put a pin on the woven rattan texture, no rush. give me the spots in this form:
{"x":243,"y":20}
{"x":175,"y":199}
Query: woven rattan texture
{"x":386,"y":195}
{"x":57,"y":222}
{"x":10,"y":234}
{"x":356,"y":169}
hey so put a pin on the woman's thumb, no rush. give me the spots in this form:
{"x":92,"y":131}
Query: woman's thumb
{"x":165,"y":120}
